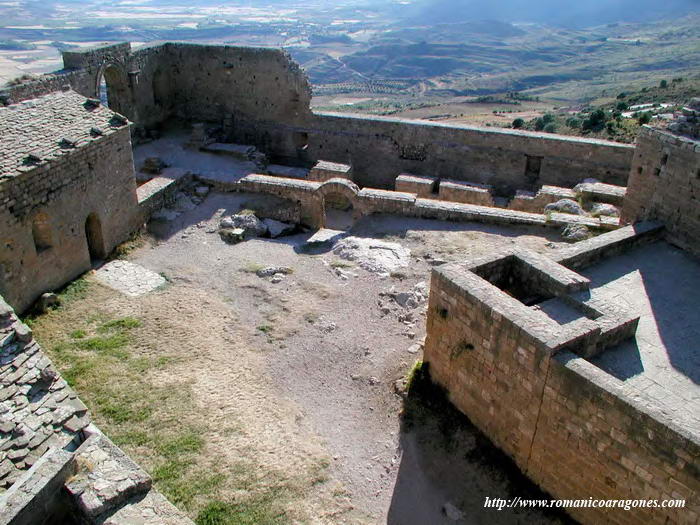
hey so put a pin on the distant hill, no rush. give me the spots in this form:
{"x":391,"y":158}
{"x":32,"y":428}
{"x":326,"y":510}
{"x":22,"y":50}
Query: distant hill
{"x":587,"y":13}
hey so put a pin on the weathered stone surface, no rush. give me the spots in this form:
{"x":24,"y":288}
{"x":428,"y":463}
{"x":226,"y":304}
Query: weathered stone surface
{"x":106,"y":477}
{"x":129,"y":278}
{"x":575,"y":233}
{"x":272,"y":270}
{"x":153,"y":509}
{"x":249,"y":223}
{"x":278,"y":228}
{"x":565,"y":206}
{"x":600,"y":208}
{"x":373,"y":255}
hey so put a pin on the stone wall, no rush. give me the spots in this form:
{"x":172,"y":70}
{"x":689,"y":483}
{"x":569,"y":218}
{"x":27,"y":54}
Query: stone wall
{"x":380,"y":148}
{"x":97,"y":178}
{"x":593,"y":440}
{"x":261,"y":97}
{"x":664,"y":185}
{"x":569,"y":426}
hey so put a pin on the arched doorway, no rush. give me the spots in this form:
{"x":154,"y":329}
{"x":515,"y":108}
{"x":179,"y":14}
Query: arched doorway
{"x":93,"y":234}
{"x":339,"y":211}
{"x":113,"y":89}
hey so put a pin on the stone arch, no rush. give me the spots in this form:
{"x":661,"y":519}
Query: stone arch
{"x":339,"y":203}
{"x":93,"y":235}
{"x":113,"y":89}
{"x":41,"y":232}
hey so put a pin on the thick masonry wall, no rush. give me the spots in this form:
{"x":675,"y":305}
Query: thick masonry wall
{"x":261,"y":97}
{"x":592,"y":441}
{"x":96,"y":178}
{"x":664,"y":185}
{"x":567,"y":424}
{"x":492,"y":369}
{"x":495,"y":157}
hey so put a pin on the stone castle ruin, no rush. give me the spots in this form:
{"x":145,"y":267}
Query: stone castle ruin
{"x":518,"y":340}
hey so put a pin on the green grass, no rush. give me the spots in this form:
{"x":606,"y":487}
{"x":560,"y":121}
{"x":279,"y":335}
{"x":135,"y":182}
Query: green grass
{"x":265,"y":328}
{"x":341,"y":264}
{"x":414,"y":375}
{"x":252,"y":267}
{"x":110,"y":363}
{"x":256,"y":510}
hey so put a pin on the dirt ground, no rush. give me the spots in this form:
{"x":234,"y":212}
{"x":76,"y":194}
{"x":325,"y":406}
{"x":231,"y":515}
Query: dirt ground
{"x":309,"y":365}
{"x":285,"y":400}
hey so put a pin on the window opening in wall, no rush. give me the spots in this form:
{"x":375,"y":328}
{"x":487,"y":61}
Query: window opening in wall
{"x":41,"y":232}
{"x":533,"y":167}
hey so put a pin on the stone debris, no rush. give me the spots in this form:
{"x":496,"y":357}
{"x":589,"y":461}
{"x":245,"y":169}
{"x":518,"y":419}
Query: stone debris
{"x":415,"y":348}
{"x":232,"y":235}
{"x":410,"y":299}
{"x":277,"y":228}
{"x":184,"y":202}
{"x":324,"y":237}
{"x":38,"y":410}
{"x":165,"y":215}
{"x":249,"y":223}
{"x":601,"y":208}
{"x":129,"y":278}
{"x":575,"y":232}
{"x":274,"y":270}
{"x":47,"y":301}
{"x":107,"y":477}
{"x":153,"y":166}
{"x":374,"y":256}
{"x":565,"y":206}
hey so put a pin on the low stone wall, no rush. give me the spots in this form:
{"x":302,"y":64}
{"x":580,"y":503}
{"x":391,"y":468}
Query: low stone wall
{"x":465,"y":192}
{"x":528,"y":201}
{"x":585,"y":253}
{"x":425,"y":187}
{"x":311,"y":196}
{"x":158,"y":192}
{"x":379,"y":148}
{"x":594,"y":440}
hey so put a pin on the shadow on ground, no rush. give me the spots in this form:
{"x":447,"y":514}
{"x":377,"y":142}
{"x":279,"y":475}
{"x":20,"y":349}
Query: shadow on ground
{"x":448,"y":468}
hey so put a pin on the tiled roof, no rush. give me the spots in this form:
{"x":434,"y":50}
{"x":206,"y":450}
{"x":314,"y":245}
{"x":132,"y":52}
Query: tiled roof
{"x":38,"y":130}
{"x":38,"y":409}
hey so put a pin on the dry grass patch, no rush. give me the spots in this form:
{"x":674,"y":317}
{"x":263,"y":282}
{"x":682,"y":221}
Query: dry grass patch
{"x":142,"y":368}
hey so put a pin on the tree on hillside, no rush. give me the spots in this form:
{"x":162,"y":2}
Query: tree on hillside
{"x":518,"y":123}
{"x":663,"y":84}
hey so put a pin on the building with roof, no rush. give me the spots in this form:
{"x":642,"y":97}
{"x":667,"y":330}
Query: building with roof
{"x":67,"y":191}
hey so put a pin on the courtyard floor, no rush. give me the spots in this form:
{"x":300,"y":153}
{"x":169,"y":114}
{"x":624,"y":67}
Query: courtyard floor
{"x":298,"y":382}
